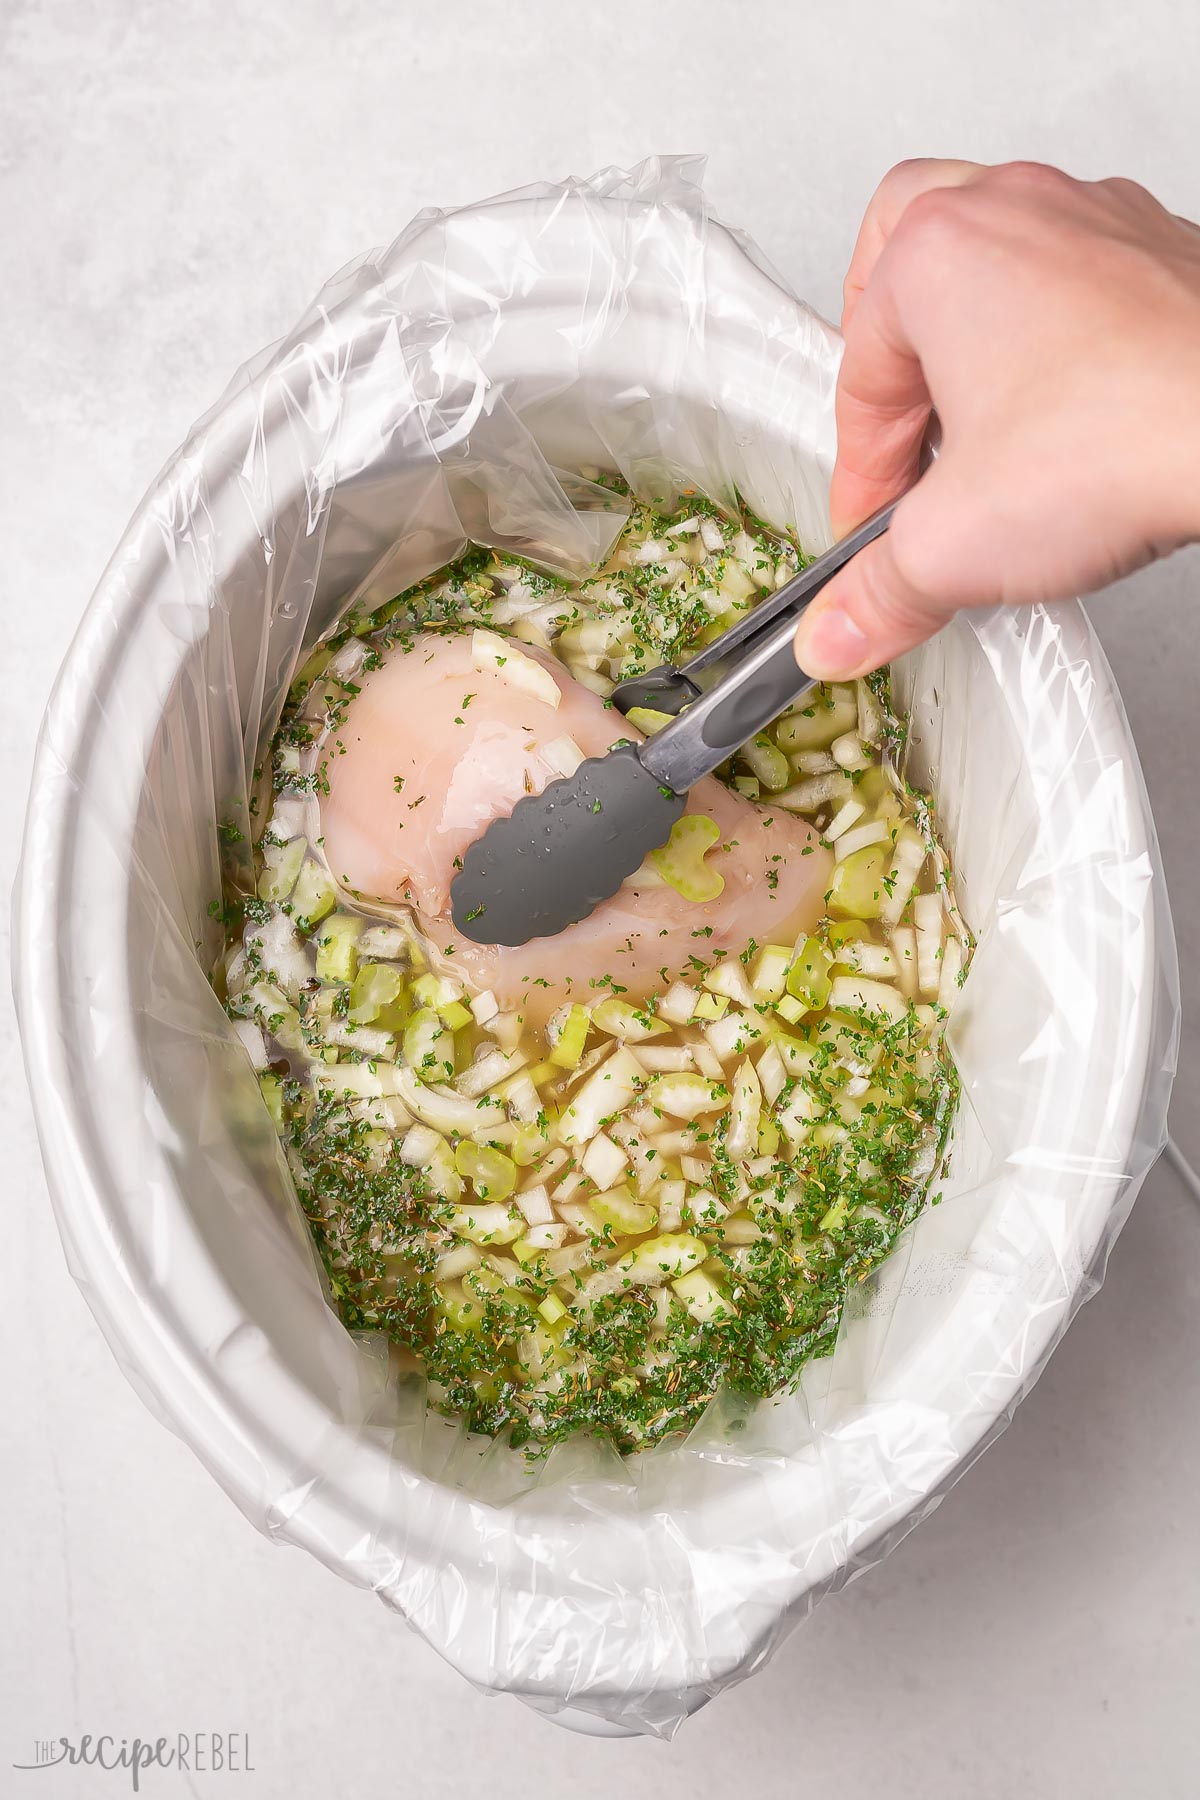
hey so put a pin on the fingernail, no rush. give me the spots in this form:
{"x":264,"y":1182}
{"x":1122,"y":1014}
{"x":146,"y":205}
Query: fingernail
{"x":830,"y":645}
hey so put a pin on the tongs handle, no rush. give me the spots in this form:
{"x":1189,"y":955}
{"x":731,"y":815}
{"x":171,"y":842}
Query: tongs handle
{"x":764,"y":683}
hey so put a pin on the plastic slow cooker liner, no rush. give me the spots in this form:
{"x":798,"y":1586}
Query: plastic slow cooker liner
{"x":433,"y":394}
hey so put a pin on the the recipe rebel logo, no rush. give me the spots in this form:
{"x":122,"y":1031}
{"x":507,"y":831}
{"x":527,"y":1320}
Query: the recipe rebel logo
{"x":199,"y":1753}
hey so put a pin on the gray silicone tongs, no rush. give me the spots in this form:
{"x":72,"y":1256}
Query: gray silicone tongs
{"x":562,"y":852}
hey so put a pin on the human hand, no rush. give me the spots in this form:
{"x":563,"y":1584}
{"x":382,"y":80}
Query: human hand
{"x":1055,"y":326}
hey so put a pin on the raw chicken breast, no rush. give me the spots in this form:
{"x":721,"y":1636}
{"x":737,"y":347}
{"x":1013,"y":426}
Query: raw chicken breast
{"x":433,"y":748}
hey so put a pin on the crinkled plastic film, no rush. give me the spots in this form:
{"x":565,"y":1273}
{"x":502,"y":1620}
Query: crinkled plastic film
{"x":435,"y":393}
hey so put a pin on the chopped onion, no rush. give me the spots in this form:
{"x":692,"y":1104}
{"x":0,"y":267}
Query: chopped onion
{"x":870,"y":718}
{"x":929,"y":920}
{"x":650,"y":550}
{"x":607,"y":1091}
{"x":711,"y":535}
{"x":814,"y":762}
{"x":854,"y":993}
{"x":363,"y":1038}
{"x":849,"y":752}
{"x":729,"y":978}
{"x":846,"y":815}
{"x":669,"y":1197}
{"x":708,"y":1062}
{"x":420,"y":1143}
{"x":906,"y":866}
{"x":870,"y":959}
{"x":578,"y":1215}
{"x":952,"y":962}
{"x":741,"y":1138}
{"x":662,"y":1059}
{"x":484,"y":1006}
{"x":252,"y":1043}
{"x":489,"y":651}
{"x":534,"y":1202}
{"x":817,"y":790}
{"x":861,"y":838}
{"x":733,"y":1034}
{"x":384,"y":943}
{"x":772,"y":1075}
{"x":444,"y":1112}
{"x":523,"y":1099}
{"x":545,"y":1235}
{"x":904,"y":953}
{"x":345,"y":663}
{"x":486,"y":1072}
{"x":456,"y":1262}
{"x":603,"y":1162}
{"x":678,"y":1003}
{"x":563,"y":754}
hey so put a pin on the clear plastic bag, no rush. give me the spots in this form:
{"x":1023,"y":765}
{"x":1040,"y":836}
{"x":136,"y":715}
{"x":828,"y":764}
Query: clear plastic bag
{"x":435,"y":393}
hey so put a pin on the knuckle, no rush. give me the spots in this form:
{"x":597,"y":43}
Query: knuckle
{"x":1120,"y":187}
{"x":937,"y":213}
{"x":1032,"y":179}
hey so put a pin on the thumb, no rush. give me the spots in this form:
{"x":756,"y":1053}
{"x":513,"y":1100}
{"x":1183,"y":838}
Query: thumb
{"x":872,"y":611}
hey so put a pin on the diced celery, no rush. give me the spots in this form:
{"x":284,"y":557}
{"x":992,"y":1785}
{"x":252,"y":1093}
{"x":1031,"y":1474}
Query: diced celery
{"x":492,"y":1174}
{"x":790,"y":1009}
{"x":528,"y":1143}
{"x":376,"y":985}
{"x":768,"y":977}
{"x":573,"y":1036}
{"x":337,"y":954}
{"x":272,"y":1092}
{"x":808,"y":979}
{"x":281,"y":866}
{"x":626,"y":1215}
{"x":443,"y":997}
{"x":822,"y":718}
{"x":441,"y":1173}
{"x":620,"y":1020}
{"x":768,"y":1138}
{"x":767,"y":762}
{"x":846,"y":931}
{"x":486,"y":1224}
{"x":748,"y":786}
{"x":663,"y":1258}
{"x":681,"y":862}
{"x":711,"y":1006}
{"x":685,"y":1096}
{"x":703,"y":1298}
{"x":648,"y":719}
{"x":463,"y":1311}
{"x":552,"y":1309}
{"x":858,"y":890}
{"x":313,"y":896}
{"x":834,"y":1218}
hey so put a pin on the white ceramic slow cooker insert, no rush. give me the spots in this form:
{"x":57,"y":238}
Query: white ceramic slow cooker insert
{"x":625,"y":1597}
